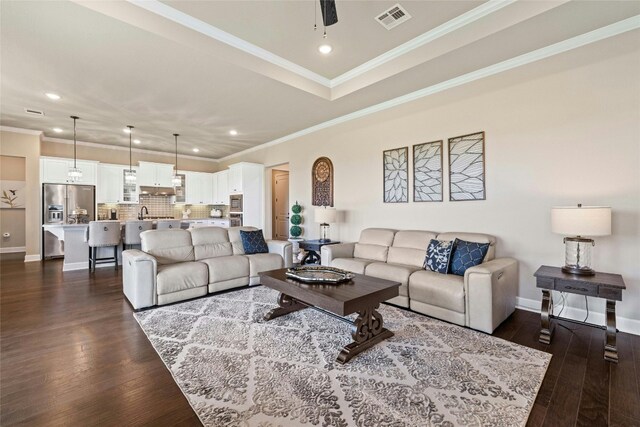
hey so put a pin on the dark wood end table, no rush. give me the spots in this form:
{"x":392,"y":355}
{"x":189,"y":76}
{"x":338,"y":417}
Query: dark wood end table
{"x":313,"y":247}
{"x":361,"y":295}
{"x":601,"y":285}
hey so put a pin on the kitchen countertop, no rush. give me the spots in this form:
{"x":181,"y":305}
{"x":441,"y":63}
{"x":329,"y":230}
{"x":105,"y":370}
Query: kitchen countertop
{"x":186,"y":221}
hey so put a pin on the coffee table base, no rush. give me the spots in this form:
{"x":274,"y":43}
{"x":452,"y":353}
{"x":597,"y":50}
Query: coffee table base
{"x":367,"y":330}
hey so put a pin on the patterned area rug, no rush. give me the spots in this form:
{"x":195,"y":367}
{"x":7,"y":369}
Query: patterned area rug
{"x":239,"y":370}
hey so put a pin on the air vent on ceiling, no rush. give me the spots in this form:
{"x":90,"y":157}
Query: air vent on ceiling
{"x":393,"y":17}
{"x":34,"y":112}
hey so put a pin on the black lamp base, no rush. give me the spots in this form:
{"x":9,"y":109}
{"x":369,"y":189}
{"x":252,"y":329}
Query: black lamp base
{"x":578,"y":271}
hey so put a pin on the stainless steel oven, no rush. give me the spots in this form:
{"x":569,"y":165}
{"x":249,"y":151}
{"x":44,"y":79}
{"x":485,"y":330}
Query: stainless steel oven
{"x":235,"y":203}
{"x":235,"y":220}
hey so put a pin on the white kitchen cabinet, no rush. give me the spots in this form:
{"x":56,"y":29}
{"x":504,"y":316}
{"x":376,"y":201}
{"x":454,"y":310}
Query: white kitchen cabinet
{"x":235,"y":178}
{"x":248,"y":179}
{"x":221,"y":190}
{"x":55,"y":170}
{"x":199,"y":188}
{"x":110,"y":184}
{"x":154,"y":174}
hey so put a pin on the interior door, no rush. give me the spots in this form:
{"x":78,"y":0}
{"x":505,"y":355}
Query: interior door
{"x":280,"y":212}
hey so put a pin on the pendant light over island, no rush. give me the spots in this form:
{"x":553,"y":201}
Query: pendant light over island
{"x":74,"y":173}
{"x":130,"y":174}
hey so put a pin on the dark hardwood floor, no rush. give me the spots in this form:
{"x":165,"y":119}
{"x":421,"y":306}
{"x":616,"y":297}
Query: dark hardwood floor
{"x":72,"y":354}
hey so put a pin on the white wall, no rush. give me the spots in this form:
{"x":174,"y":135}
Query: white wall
{"x":558,"y":132}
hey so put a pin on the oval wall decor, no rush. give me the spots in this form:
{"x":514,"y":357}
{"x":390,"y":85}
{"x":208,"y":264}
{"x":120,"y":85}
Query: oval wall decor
{"x":322,"y":182}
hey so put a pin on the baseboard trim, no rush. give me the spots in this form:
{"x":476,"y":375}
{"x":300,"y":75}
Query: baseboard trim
{"x":13,"y":250}
{"x":73,"y":266}
{"x":32,"y":258}
{"x":624,"y":324}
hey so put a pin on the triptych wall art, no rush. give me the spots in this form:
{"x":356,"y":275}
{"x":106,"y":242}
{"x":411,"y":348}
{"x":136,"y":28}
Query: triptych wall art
{"x":466,"y":171}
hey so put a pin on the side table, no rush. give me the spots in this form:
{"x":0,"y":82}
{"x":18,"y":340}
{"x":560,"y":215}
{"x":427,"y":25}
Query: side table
{"x":601,"y":285}
{"x":313,"y":248}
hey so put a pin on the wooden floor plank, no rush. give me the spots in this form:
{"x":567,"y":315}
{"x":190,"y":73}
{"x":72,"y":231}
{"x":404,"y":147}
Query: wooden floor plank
{"x":594,"y":401}
{"x":625,"y":398}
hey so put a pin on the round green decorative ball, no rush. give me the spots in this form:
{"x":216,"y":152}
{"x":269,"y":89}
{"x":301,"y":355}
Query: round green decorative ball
{"x":296,"y":209}
{"x":295,"y":231}
{"x":296,"y":219}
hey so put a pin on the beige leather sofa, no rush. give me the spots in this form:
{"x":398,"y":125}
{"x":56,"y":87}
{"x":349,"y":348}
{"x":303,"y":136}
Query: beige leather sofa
{"x":481,"y":300}
{"x":176,"y":265}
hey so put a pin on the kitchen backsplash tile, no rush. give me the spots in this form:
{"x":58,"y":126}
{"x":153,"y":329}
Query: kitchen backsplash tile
{"x":157,"y":206}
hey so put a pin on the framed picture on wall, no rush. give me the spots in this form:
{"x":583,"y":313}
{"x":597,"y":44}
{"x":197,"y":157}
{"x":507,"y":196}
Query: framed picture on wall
{"x":396,"y":170}
{"x":466,"y":167}
{"x":13,"y":194}
{"x":427,"y":172}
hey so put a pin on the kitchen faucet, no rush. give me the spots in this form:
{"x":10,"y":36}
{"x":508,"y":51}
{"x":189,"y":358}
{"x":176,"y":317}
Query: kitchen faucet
{"x":141,"y":214}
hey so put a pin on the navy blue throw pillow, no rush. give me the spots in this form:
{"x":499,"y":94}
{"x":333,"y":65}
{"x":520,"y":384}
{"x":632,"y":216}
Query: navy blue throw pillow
{"x":467,"y":255}
{"x":253,"y":242}
{"x":438,"y":256}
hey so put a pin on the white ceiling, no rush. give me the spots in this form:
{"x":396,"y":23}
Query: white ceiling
{"x":203,"y":68}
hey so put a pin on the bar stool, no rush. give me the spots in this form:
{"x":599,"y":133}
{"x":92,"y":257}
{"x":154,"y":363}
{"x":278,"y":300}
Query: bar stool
{"x":132,"y":230}
{"x":101,"y":234}
{"x":168,"y":223}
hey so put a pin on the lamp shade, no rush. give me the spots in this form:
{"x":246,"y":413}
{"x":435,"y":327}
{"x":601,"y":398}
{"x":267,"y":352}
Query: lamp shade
{"x":581,"y":220}
{"x":325,"y":215}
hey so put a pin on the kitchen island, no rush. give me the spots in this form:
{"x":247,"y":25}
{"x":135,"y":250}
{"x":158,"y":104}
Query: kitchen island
{"x":76,"y":249}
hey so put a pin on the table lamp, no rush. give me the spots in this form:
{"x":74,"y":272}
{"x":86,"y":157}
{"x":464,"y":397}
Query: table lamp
{"x":577,"y":222}
{"x":325,"y":216}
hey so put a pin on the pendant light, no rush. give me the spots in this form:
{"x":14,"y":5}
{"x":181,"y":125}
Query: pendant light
{"x":130,"y":174}
{"x":74,"y":173}
{"x":176,"y":180}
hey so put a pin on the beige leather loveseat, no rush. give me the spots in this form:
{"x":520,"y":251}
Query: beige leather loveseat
{"x":176,"y":265}
{"x":481,"y":300}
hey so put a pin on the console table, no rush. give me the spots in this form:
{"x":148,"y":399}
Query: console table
{"x":601,"y":285}
{"x":313,"y":248}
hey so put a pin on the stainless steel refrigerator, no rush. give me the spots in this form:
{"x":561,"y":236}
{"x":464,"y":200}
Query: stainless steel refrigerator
{"x":65,"y":204}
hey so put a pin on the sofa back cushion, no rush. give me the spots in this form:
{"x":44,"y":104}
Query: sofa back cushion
{"x":168,"y":246}
{"x":374,"y":244}
{"x":236,"y":240}
{"x":474,"y":237}
{"x":210,"y":242}
{"x":409,"y":247}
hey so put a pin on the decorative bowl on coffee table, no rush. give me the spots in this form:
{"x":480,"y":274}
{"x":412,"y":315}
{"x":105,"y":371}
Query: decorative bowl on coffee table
{"x":319,"y":274}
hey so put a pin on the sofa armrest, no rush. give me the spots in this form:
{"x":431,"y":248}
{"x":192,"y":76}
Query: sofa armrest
{"x":330,"y":252}
{"x":490,"y":293}
{"x":282,"y":248}
{"x":139,"y":270}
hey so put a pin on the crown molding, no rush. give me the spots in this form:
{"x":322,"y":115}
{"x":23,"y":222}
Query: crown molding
{"x":216,"y":33}
{"x":448,"y":27}
{"x":119,"y":148}
{"x":20,"y":130}
{"x":602,"y":33}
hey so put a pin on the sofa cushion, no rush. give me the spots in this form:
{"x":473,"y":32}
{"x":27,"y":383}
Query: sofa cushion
{"x":181,"y":276}
{"x":374,"y":244}
{"x":466,"y":255}
{"x":168,"y":246}
{"x":373,"y":252}
{"x":236,"y":240}
{"x":438,"y":257}
{"x":394,"y":272}
{"x":354,"y":265}
{"x":442,"y":290}
{"x":264,"y":262}
{"x":227,"y":267}
{"x":409,"y":247}
{"x":474,"y":237}
{"x":210,"y":242}
{"x":253,"y":242}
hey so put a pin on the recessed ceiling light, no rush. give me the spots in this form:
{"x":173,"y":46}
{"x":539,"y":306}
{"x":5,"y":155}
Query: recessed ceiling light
{"x":325,"y":49}
{"x":53,"y":96}
{"x":233,"y":132}
{"x":126,"y":130}
{"x":57,"y":130}
{"x":136,"y":141}
{"x":195,"y":150}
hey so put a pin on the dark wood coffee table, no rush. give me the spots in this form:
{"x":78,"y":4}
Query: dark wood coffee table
{"x":362,"y":295}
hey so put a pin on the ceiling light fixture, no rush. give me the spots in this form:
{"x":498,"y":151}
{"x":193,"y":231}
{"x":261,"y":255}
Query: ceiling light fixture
{"x":129,"y":174}
{"x":136,"y":141}
{"x":176,"y":180}
{"x":53,"y":96}
{"x":233,"y":132}
{"x":325,"y":49}
{"x":57,"y":130}
{"x":74,"y":173}
{"x":195,"y":150}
